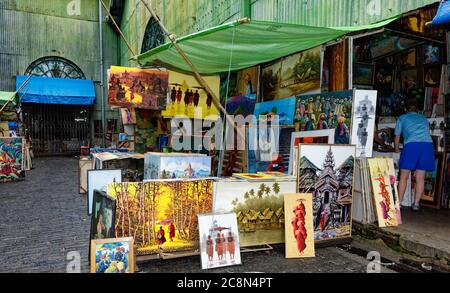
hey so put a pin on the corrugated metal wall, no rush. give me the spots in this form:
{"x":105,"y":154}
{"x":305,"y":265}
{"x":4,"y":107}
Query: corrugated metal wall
{"x":32,"y":29}
{"x":183,"y":17}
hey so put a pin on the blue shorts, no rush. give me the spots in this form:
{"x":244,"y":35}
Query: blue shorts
{"x":418,"y":156}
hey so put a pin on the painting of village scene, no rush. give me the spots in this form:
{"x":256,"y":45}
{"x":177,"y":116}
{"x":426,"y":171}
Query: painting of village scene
{"x":176,"y":167}
{"x":327,"y":171}
{"x":161,"y":215}
{"x":189,"y":98}
{"x":293,"y":75}
{"x":219,"y":240}
{"x":11,"y":159}
{"x":326,"y":111}
{"x":139,"y":88}
{"x":259,"y":207}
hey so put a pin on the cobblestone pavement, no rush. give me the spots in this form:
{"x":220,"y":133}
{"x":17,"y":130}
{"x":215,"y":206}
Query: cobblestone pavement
{"x":43,"y":218}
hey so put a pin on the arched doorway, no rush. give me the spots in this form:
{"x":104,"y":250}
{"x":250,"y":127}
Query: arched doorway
{"x":56,"y":129}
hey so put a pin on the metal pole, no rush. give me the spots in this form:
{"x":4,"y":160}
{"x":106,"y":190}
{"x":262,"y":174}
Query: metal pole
{"x":17,"y":91}
{"x":102,"y":72}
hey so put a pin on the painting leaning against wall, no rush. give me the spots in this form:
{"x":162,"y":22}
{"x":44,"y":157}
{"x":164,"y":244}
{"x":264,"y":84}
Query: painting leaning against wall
{"x":161,"y":215}
{"x":259,"y":207}
{"x":327,"y":171}
{"x":11,"y":159}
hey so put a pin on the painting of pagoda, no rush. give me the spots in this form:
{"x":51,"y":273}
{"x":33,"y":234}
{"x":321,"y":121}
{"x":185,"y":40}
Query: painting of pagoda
{"x":327,"y":172}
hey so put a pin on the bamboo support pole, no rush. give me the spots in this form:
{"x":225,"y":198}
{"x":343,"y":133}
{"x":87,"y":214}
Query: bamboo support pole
{"x":18,"y":90}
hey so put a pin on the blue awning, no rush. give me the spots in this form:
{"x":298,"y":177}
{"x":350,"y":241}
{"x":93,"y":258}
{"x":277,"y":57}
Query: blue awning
{"x":443,"y":14}
{"x":60,"y":91}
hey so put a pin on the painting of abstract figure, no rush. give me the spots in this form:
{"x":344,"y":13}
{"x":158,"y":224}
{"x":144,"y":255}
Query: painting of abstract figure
{"x":327,"y":171}
{"x":219,"y":240}
{"x":112,"y":256}
{"x":11,"y":159}
{"x":382,"y":193}
{"x":299,"y":229}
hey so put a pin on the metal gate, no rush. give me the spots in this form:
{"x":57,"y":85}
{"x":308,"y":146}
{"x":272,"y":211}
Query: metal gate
{"x":56,"y":129}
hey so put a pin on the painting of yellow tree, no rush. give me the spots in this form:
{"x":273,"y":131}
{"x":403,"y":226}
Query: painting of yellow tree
{"x":161,"y":215}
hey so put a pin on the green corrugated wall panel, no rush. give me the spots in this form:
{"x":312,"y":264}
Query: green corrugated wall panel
{"x":332,"y":12}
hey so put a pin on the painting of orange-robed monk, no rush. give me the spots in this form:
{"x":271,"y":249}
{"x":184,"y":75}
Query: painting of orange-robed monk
{"x":139,"y":88}
{"x":161,"y":215}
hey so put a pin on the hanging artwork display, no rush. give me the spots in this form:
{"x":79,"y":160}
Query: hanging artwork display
{"x":259,"y":207}
{"x":228,"y":86}
{"x":307,"y":137}
{"x":112,"y":256}
{"x":161,"y":215}
{"x":327,"y":171}
{"x":327,"y":111}
{"x":189,"y":98}
{"x":219,"y":240}
{"x":382,"y":192}
{"x":363,"y":74}
{"x":390,"y":105}
{"x":299,"y":226}
{"x":176,"y":166}
{"x":147,"y":131}
{"x":12,"y":158}
{"x":241,"y":105}
{"x":363,"y":129}
{"x":432,"y":75}
{"x":293,"y":75}
{"x":280,"y":112}
{"x":431,"y":54}
{"x":384,"y":78}
{"x":103,"y":212}
{"x":433,"y":185}
{"x":99,"y":180}
{"x":139,"y":88}
{"x":128,"y":116}
{"x":248,"y":81}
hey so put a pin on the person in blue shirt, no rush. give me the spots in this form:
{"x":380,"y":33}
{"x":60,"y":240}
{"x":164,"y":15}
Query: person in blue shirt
{"x":418,"y":150}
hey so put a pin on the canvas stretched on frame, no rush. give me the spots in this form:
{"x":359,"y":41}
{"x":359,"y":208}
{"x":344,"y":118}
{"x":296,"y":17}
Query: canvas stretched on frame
{"x":327,"y":133}
{"x":99,"y":180}
{"x":125,"y":255}
{"x":327,"y":171}
{"x":211,"y":248}
{"x":260,"y":214}
{"x":363,"y":129}
{"x":106,"y":206}
{"x":299,"y":227}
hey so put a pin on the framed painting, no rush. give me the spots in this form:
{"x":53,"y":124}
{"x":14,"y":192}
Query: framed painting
{"x":139,"y":88}
{"x":382,"y":192}
{"x":363,"y":129}
{"x":433,"y":184}
{"x":384,"y":78}
{"x":363,"y":74}
{"x":176,"y":166}
{"x":248,"y":81}
{"x":161,"y":215}
{"x":103,"y":216}
{"x":409,"y":80}
{"x":188,"y":98}
{"x":392,"y":173}
{"x":431,"y":54}
{"x":84,"y":165}
{"x":432,"y":75}
{"x":279,"y":112}
{"x":271,"y":78}
{"x":112,"y":256}
{"x":128,"y":116}
{"x":408,"y":59}
{"x":241,"y":105}
{"x":99,"y":180}
{"x":259,"y":208}
{"x":219,"y":240}
{"x":327,"y":171}
{"x":12,"y":158}
{"x":326,"y":111}
{"x":299,"y":226}
{"x":307,"y":137}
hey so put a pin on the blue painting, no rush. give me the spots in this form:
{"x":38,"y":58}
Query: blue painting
{"x":279,"y":112}
{"x":112,"y":256}
{"x":241,"y":105}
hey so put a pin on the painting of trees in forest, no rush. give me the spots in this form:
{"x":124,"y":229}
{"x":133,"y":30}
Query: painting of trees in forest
{"x":161,"y":215}
{"x":259,"y":207}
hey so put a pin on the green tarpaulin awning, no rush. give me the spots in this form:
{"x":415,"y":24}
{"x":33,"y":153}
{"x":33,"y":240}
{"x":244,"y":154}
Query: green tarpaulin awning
{"x":246,"y":44}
